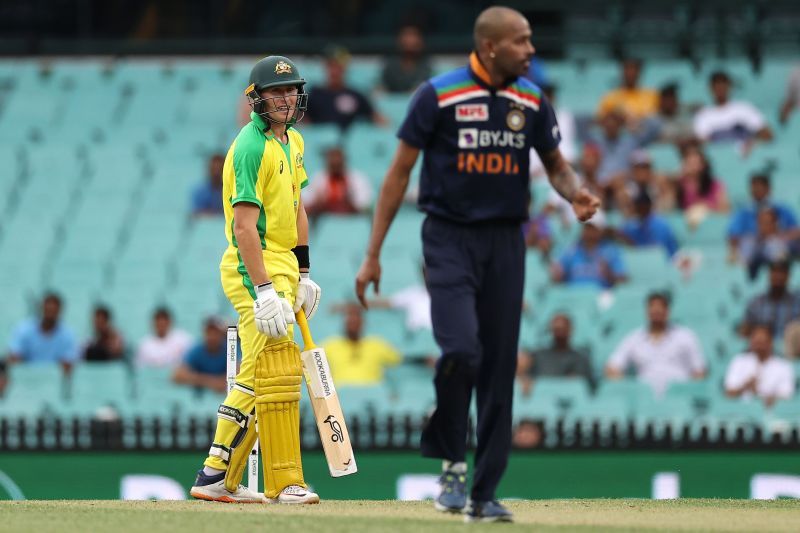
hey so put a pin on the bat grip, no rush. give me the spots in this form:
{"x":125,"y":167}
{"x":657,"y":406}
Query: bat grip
{"x":308,"y":341}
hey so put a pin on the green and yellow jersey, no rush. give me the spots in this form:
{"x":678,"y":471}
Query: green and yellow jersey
{"x":261,"y":170}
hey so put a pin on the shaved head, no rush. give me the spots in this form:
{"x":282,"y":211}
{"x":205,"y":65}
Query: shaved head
{"x":493,"y":24}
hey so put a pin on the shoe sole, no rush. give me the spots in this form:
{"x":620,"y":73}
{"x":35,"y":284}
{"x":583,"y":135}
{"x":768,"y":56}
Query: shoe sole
{"x":221,"y":499}
{"x":445,"y":509}
{"x":486,"y":519}
{"x":313,"y":501}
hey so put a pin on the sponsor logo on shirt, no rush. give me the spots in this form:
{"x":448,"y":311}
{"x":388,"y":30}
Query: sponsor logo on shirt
{"x":469,"y":138}
{"x":472,"y":113}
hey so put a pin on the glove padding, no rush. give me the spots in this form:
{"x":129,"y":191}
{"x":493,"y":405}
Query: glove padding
{"x":308,"y":296}
{"x":272,"y":313}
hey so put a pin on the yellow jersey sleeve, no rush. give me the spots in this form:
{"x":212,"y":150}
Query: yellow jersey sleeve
{"x":248,"y":157}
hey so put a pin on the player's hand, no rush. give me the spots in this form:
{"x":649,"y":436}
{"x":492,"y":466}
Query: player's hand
{"x":308,"y":296}
{"x":370,"y":272}
{"x":585,"y":204}
{"x":272,"y":313}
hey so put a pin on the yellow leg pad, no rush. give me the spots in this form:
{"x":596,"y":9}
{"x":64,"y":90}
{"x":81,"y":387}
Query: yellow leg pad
{"x":278,"y":377}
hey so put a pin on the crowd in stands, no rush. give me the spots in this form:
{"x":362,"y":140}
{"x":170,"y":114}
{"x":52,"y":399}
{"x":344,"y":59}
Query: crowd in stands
{"x":644,"y":205}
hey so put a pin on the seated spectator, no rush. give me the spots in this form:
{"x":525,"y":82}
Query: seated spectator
{"x":616,"y":147}
{"x":792,"y":98}
{"x":633,"y":101}
{"x":674,"y":119}
{"x":207,"y":196}
{"x":3,"y":377}
{"x":539,"y":234}
{"x":335,"y":102}
{"x":107,"y":343}
{"x":768,"y":244}
{"x":413,"y":300}
{"x":776,"y":308}
{"x":559,"y":359}
{"x":647,"y":228}
{"x":337,"y":189}
{"x":404,"y":71}
{"x":527,"y":435}
{"x":46,"y":339}
{"x":642,"y":178}
{"x":355,"y":359}
{"x":744,"y":220}
{"x":205,"y":365}
{"x":593,"y":260}
{"x":567,"y":128}
{"x":167,"y":346}
{"x":760,"y":372}
{"x":697,"y":187}
{"x":729,"y":120}
{"x":661,"y":353}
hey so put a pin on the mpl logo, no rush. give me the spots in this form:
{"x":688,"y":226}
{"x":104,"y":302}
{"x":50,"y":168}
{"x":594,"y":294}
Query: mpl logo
{"x":472,"y":113}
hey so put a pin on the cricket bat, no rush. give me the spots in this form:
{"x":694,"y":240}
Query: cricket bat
{"x":325,"y":402}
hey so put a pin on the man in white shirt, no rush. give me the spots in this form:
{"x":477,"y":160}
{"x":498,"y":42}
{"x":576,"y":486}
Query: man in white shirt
{"x":759,"y":372}
{"x":729,"y":120}
{"x":661,"y":353}
{"x":167,"y":346}
{"x":414,"y":301}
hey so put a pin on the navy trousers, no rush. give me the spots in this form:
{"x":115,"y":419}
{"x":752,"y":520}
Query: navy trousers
{"x":475,"y":276}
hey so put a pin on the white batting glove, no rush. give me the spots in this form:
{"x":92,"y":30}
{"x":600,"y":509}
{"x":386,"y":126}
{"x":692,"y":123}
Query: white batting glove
{"x":308,"y":296}
{"x":272,"y":313}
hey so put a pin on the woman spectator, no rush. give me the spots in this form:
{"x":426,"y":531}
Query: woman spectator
{"x":697,"y":186}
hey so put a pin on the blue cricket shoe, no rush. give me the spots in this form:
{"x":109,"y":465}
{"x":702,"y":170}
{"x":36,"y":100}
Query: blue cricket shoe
{"x":489,"y":511}
{"x":453,"y":497}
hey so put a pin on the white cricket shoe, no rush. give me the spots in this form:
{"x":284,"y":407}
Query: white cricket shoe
{"x":212,"y":488}
{"x":295,"y":494}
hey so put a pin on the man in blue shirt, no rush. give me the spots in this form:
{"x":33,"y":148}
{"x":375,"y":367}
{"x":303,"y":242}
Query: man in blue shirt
{"x":648,"y":228}
{"x":207,"y":196}
{"x":475,"y":126}
{"x":593,"y":260}
{"x":744,"y":220}
{"x":45,"y":340}
{"x":205,"y":364}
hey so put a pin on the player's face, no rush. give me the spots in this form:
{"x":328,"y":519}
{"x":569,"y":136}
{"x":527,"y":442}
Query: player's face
{"x":280,"y":102}
{"x":514,"y":51}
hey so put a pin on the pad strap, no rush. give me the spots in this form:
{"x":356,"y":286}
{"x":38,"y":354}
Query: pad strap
{"x":226,"y":412}
{"x":221,"y":451}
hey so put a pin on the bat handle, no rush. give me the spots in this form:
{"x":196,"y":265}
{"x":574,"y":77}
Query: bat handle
{"x":308,"y":341}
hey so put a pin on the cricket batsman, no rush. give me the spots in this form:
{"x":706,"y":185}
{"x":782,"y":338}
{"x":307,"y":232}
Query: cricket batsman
{"x":475,"y":126}
{"x":265,"y":275}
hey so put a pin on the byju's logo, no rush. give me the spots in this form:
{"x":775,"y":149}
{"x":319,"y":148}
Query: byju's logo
{"x":468,"y":138}
{"x":336,"y":428}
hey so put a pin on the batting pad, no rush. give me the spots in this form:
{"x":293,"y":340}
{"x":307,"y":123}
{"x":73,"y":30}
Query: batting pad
{"x":278,"y":375}
{"x":235,"y":428}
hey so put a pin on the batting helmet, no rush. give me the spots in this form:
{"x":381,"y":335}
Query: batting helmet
{"x":276,"y":71}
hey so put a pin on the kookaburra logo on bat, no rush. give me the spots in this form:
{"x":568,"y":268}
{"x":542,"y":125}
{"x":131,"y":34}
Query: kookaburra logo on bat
{"x":337,"y":436}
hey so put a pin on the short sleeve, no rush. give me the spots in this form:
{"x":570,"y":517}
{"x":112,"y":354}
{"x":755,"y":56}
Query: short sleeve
{"x":247,"y":156}
{"x":735,"y":376}
{"x":623,"y":354}
{"x":545,"y":135}
{"x":752,"y":117}
{"x":68,"y":347}
{"x":417,"y":128}
{"x":701,"y":126}
{"x":17,"y":343}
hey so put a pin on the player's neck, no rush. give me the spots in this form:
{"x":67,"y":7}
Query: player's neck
{"x":279,"y":131}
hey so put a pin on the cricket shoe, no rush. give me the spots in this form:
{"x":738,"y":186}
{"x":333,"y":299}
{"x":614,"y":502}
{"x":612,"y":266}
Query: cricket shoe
{"x":212,"y":488}
{"x":488,"y":511}
{"x":295,"y":494}
{"x":453,"y":497}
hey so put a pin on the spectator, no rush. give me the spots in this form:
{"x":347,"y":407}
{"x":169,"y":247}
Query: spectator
{"x":414,"y":301}
{"x":403,"y":72}
{"x":527,"y":435}
{"x":697,"y":186}
{"x":641,"y":179}
{"x":335,"y":102}
{"x":775,"y":308}
{"x":539,"y":234}
{"x":632,"y":101}
{"x":567,"y":128}
{"x":207,"y":196}
{"x":616,"y":147}
{"x":792,"y":96}
{"x":107,"y":343}
{"x":355,"y":359}
{"x":3,"y":377}
{"x":768,"y":244}
{"x":744,"y":220}
{"x":205,"y":365}
{"x":647,"y":228}
{"x":337,"y":189}
{"x":728,"y":120}
{"x":44,"y":340}
{"x":593,"y":260}
{"x":760,"y":372}
{"x":675,"y":120}
{"x":559,"y":359}
{"x":661,"y":353}
{"x":167,"y":346}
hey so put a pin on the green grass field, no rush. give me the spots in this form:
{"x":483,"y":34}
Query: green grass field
{"x":416,"y":517}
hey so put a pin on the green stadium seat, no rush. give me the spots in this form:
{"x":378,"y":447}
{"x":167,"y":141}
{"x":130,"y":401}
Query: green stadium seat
{"x":564,"y":393}
{"x":631,"y":391}
{"x":32,"y":389}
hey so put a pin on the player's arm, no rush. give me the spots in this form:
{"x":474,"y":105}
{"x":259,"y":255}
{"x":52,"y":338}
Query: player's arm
{"x":245,"y":220}
{"x":391,"y":196}
{"x":566,"y":182}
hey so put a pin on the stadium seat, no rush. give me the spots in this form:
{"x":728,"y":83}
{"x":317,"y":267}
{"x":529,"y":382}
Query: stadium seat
{"x":630,"y":391}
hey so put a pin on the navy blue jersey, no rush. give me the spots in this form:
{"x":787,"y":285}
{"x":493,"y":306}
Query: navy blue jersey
{"x":476,"y":141}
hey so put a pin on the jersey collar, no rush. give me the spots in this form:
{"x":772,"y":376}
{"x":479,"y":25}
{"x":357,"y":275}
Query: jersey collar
{"x":481,"y":75}
{"x":259,"y":122}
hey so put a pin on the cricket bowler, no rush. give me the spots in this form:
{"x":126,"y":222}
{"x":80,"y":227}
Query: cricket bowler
{"x":265,"y":275}
{"x":475,"y":126}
